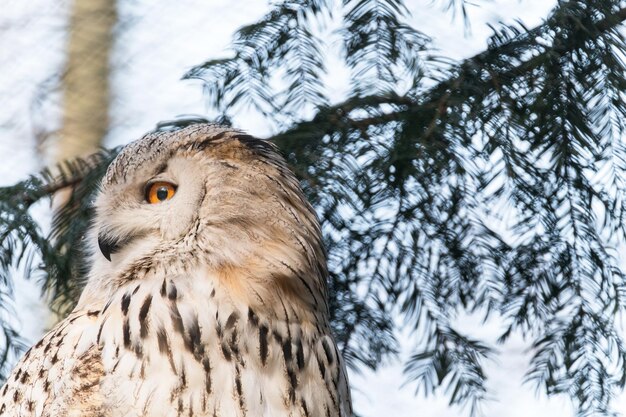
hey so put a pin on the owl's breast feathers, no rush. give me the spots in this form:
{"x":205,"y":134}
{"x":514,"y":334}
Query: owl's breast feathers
{"x":176,"y":347}
{"x":61,"y":373}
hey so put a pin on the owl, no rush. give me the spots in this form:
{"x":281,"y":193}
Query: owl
{"x":206,"y":294}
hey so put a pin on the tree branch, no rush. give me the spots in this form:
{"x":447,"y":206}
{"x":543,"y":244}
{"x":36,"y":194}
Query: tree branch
{"x":336,"y":117}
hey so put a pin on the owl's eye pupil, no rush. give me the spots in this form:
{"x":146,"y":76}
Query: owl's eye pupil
{"x":162,"y":194}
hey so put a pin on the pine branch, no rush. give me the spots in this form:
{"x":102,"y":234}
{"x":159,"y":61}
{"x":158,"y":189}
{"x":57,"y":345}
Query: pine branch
{"x":436,"y":98}
{"x":379,"y":48}
{"x":530,"y":87}
{"x":281,"y":39}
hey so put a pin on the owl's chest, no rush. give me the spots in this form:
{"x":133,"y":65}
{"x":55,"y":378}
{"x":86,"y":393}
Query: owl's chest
{"x":168,"y":352}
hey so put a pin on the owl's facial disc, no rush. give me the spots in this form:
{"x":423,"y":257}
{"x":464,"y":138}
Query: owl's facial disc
{"x":156,"y":192}
{"x":151,"y":211}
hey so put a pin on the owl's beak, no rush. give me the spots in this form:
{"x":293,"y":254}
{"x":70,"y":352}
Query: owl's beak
{"x":108,"y":246}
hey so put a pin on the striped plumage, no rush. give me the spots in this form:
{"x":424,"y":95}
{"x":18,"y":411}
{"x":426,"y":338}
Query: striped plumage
{"x":213,"y":303}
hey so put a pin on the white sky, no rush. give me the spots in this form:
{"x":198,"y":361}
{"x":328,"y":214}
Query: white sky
{"x":164,"y":40}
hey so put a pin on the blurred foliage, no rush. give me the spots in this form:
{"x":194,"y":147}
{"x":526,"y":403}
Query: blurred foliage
{"x":492,"y":186}
{"x":55,"y":259}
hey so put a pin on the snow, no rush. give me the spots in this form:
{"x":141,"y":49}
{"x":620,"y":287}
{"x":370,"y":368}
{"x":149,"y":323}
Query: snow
{"x":158,"y":43}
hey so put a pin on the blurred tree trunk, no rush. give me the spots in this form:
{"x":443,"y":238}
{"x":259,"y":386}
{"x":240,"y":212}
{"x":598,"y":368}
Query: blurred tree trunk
{"x":86,"y":98}
{"x":86,"y":92}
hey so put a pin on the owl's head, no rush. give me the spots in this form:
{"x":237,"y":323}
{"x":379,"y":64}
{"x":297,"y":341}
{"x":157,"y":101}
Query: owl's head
{"x":211,"y":197}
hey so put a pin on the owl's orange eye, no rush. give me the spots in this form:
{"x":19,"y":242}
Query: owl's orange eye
{"x":159,"y":192}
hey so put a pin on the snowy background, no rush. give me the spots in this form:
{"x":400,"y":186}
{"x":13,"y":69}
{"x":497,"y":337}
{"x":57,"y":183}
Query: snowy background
{"x":159,"y":41}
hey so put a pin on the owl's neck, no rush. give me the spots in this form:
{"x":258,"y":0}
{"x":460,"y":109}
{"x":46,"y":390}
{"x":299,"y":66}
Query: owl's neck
{"x":280,"y":292}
